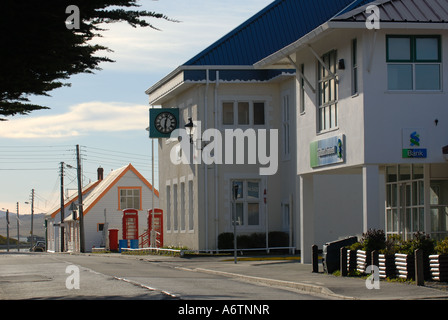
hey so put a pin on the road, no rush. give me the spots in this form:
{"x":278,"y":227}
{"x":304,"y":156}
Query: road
{"x":45,"y":276}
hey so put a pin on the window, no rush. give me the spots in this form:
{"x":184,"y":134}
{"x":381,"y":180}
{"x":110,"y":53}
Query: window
{"x":243,"y":113}
{"x":190,"y":206}
{"x":130,"y":198}
{"x":168,"y":207}
{"x":175,"y":214}
{"x":302,"y":89}
{"x":328,"y":88}
{"x":286,"y":127}
{"x":438,"y":196}
{"x":247,"y":203}
{"x":405,"y":200}
{"x":182,"y":206}
{"x":413,"y":62}
{"x":354,"y":66}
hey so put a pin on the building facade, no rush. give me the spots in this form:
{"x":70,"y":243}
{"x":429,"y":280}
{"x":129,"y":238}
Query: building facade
{"x":103,"y":203}
{"x":374,"y":105}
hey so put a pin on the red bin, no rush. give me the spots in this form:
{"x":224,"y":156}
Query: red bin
{"x":113,"y":239}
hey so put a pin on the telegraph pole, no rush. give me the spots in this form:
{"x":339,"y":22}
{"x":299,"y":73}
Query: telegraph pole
{"x":80,"y":205}
{"x":32,"y":217}
{"x":7,"y":230}
{"x":62,"y":207}
{"x":18,"y":233}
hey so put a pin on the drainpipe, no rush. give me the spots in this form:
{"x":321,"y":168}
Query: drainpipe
{"x":205,"y":165}
{"x":216,"y":166}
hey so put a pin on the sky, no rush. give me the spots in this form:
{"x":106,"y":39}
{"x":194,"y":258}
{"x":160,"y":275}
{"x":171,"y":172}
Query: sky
{"x":106,"y":113}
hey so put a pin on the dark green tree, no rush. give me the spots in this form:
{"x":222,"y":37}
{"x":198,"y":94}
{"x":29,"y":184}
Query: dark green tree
{"x":38,"y":53}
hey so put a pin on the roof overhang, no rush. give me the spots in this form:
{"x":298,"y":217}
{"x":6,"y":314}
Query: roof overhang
{"x":185,"y":77}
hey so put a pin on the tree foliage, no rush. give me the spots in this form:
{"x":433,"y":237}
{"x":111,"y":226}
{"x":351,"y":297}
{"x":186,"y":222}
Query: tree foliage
{"x":39,"y":53}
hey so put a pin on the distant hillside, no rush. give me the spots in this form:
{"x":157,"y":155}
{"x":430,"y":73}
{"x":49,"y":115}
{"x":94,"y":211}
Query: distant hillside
{"x":25,"y":225}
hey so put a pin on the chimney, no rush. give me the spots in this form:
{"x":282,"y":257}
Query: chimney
{"x":100,"y":173}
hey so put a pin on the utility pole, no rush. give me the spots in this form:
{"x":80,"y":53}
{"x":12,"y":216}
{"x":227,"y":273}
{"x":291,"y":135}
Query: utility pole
{"x":62,"y":208}
{"x":32,"y":217}
{"x":7,"y":230}
{"x":80,"y":205}
{"x":18,"y":233}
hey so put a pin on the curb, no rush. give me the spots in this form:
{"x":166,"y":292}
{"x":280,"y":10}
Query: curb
{"x":307,"y":288}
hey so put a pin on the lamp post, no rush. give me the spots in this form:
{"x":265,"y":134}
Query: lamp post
{"x":190,"y":129}
{"x":235,"y":196}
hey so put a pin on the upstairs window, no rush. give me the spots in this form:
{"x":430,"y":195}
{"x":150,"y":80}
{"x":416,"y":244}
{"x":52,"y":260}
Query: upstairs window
{"x":328,"y":92}
{"x":130,"y":198}
{"x":413,"y":62}
{"x":243,"y":113}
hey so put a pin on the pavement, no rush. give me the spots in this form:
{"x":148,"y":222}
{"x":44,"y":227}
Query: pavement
{"x":288,"y":272}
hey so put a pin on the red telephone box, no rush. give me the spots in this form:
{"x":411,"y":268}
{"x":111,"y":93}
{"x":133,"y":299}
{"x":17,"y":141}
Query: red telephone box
{"x":130,"y":224}
{"x":158,"y":226}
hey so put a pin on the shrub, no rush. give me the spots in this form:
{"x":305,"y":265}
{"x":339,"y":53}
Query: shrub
{"x":420,"y":241}
{"x":442,"y":247}
{"x":225,"y":240}
{"x":373,"y":240}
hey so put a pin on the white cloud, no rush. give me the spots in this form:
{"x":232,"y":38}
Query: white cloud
{"x":80,"y":119}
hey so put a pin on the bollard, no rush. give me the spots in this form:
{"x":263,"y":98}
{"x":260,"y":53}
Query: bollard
{"x":419,"y":268}
{"x":344,"y":262}
{"x":315,"y":258}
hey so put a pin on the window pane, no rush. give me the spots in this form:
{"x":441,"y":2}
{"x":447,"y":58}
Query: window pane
{"x":399,"y":76}
{"x":240,"y":189}
{"x":243,"y":112}
{"x":239,"y":214}
{"x":253,"y":190}
{"x":259,"y":113}
{"x":253,"y":214}
{"x":427,"y":77}
{"x":427,"y":49}
{"x":399,"y":49}
{"x":227,"y":113}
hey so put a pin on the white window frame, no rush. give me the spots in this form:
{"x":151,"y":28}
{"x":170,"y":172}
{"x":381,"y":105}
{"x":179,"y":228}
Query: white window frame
{"x":251,"y":102}
{"x":286,"y":126}
{"x":245,"y":201}
{"x":327,"y":108}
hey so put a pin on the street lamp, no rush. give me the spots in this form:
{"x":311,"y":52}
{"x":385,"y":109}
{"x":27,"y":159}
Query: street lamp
{"x":190,"y":129}
{"x":7,"y":229}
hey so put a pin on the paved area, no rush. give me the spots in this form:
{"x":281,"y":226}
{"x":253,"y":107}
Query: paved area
{"x":287,"y":272}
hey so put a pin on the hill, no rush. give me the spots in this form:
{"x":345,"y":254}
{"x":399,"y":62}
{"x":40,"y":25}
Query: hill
{"x":25,"y":225}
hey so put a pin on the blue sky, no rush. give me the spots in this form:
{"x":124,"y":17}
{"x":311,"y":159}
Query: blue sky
{"x":106,"y":113}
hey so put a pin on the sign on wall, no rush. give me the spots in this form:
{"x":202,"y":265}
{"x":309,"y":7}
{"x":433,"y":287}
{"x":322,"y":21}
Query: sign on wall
{"x":414,"y":143}
{"x":327,"y":151}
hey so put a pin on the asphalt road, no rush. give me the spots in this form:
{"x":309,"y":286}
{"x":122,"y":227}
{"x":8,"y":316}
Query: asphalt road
{"x":45,"y":276}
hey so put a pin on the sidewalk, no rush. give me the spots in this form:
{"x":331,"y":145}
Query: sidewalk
{"x":289,"y":273}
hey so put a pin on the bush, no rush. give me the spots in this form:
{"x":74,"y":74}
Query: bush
{"x":370,"y":241}
{"x":374,"y":240}
{"x":442,"y":247}
{"x":225,"y":240}
{"x":420,"y":241}
{"x":253,"y":241}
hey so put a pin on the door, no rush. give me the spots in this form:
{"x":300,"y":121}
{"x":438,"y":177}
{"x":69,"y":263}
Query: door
{"x":156,"y":228}
{"x":130,"y":224}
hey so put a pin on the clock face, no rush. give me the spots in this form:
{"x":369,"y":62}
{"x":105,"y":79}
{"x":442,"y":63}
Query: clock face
{"x":165,"y":122}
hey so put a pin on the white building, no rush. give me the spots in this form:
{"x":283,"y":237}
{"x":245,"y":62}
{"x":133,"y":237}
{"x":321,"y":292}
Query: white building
{"x":360,"y":115}
{"x":103,"y":203}
{"x":220,"y":89}
{"x":388,"y":108}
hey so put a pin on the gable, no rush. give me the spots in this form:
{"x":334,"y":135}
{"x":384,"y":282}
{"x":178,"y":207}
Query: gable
{"x":112,"y":180}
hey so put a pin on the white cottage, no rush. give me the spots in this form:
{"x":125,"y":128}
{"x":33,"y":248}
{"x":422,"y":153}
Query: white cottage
{"x":104,"y":201}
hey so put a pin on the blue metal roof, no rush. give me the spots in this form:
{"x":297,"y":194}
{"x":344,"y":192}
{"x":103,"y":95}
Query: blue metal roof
{"x":276,"y":26}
